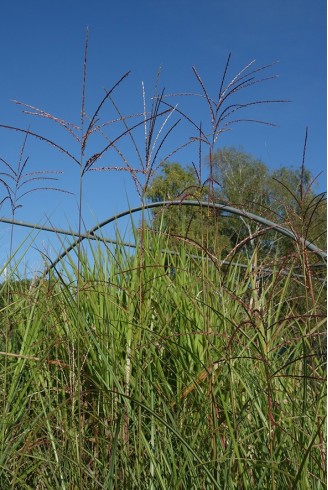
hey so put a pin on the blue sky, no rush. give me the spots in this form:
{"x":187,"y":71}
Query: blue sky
{"x":41,"y":52}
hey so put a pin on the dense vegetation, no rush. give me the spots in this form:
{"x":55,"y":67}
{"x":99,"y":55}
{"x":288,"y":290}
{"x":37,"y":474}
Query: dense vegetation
{"x":197,"y":360}
{"x":147,"y":380}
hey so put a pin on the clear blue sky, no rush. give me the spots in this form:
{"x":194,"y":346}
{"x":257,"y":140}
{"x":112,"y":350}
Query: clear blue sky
{"x":41,"y":52}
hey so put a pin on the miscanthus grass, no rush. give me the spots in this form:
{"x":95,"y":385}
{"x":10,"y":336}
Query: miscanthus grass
{"x":160,"y":367}
{"x":193,"y":375}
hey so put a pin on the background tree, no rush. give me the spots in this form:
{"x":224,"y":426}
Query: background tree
{"x":284,"y":195}
{"x":185,"y":222}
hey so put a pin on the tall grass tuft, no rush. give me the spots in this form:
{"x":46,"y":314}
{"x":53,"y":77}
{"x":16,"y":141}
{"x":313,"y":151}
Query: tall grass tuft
{"x":220,"y":386}
{"x":157,"y":368}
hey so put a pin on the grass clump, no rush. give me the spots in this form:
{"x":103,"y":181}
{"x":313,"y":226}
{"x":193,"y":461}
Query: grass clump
{"x":188,"y":380}
{"x":169,"y":366}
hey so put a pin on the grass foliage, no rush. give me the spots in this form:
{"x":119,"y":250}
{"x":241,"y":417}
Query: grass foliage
{"x":189,"y":376}
{"x":158,"y":370}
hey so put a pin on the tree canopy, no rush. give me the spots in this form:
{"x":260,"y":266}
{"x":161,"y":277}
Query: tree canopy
{"x":284,"y":195}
